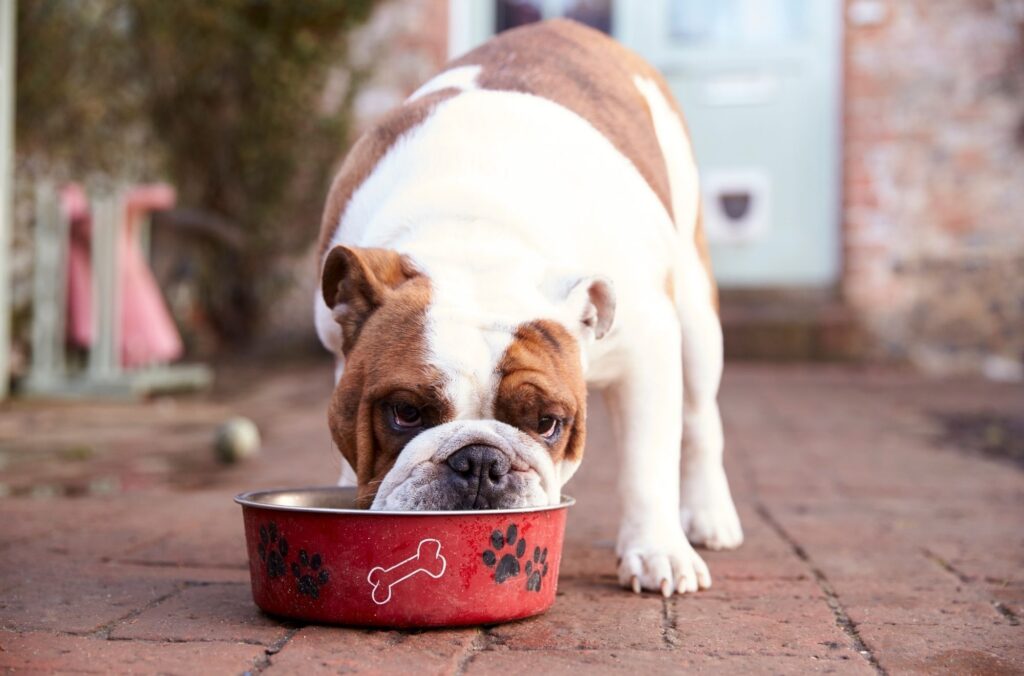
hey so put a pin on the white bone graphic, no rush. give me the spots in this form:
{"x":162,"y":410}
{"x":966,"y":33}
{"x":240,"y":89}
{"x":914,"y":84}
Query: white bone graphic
{"x":427,"y":559}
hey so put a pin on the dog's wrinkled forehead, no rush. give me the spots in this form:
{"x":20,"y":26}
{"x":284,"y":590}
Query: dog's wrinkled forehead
{"x":466,"y":355}
{"x":472,"y":321}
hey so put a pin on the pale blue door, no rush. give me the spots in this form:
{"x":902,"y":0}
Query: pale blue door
{"x":759,"y":83}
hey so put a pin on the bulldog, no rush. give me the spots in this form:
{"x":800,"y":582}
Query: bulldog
{"x":526,"y":225}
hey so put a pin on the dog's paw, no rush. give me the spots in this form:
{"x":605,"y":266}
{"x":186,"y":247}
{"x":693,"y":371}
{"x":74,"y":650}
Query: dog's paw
{"x":708,"y":514}
{"x":663,"y":562}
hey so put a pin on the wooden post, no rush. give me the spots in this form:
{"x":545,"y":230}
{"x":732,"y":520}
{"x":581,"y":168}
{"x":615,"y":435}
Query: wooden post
{"x":49,"y":288}
{"x":8,"y":17}
{"x":104,"y":355}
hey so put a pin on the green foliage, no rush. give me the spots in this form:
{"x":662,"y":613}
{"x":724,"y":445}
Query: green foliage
{"x":225,"y":98}
{"x":75,"y":111}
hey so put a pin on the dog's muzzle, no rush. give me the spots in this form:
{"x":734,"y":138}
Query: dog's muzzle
{"x":470,"y":464}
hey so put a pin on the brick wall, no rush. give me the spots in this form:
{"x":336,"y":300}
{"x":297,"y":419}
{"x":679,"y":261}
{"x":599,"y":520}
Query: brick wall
{"x":934,"y":180}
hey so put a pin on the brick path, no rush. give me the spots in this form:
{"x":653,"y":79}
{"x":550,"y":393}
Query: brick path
{"x":871,"y":546}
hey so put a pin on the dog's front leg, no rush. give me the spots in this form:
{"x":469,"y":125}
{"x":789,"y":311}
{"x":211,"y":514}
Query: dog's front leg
{"x":646,"y":407}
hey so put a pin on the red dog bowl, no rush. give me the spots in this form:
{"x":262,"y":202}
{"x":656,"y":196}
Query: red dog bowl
{"x":313,"y":556}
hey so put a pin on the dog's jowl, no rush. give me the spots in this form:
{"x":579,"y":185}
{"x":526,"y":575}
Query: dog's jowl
{"x":526,"y":225}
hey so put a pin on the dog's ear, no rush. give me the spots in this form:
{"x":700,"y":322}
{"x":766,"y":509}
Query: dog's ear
{"x":356,"y":281}
{"x":590,"y":303}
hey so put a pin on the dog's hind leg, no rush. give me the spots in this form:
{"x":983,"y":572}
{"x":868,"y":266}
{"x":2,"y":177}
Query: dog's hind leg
{"x":708,"y":514}
{"x":707,"y":510}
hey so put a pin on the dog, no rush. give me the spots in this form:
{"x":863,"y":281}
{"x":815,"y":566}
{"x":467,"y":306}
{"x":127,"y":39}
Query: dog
{"x":526,"y":225}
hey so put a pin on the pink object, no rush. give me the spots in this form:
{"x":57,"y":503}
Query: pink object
{"x":147,"y":331}
{"x":79,"y":292}
{"x":313,"y":557}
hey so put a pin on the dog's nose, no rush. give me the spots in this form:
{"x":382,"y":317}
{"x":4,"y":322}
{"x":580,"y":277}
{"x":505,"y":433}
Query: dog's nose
{"x":480,"y":471}
{"x":479,"y":461}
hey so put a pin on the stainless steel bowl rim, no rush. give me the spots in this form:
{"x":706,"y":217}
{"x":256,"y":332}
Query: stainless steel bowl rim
{"x":258,"y":500}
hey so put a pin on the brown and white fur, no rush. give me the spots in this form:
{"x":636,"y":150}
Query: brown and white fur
{"x":526,"y":224}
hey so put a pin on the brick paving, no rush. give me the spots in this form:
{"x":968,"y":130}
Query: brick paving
{"x":872,"y":544}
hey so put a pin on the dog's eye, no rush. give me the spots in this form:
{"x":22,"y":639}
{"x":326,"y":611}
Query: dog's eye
{"x":549,"y":426}
{"x":406,"y":416}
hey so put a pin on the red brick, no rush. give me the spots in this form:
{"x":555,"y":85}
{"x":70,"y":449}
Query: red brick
{"x":133,"y":522}
{"x":60,"y":595}
{"x":332,"y":650}
{"x":217,"y":540}
{"x":632,"y":662}
{"x":184,"y":574}
{"x":781,"y":617}
{"x":589,"y":558}
{"x":1010,"y":595}
{"x":217,"y":612}
{"x":864,"y":566}
{"x":17,"y":569}
{"x":891,"y":602}
{"x":996,"y":560}
{"x":862,"y":193}
{"x":587,"y":615}
{"x":950,"y":648}
{"x":764,"y":554}
{"x":198,"y":529}
{"x":53,"y":653}
{"x":35,"y":518}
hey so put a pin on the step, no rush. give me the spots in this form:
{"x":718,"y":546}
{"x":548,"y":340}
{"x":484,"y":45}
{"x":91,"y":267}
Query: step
{"x":789,"y":325}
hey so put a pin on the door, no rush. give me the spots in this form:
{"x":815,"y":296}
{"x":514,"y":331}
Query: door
{"x":758,"y":81}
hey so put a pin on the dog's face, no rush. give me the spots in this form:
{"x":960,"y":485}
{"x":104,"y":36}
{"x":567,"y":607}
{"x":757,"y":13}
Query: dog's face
{"x":435,"y":411}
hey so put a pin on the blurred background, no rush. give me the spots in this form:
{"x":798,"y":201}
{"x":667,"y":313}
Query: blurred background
{"x":165,"y":165}
{"x":862,"y":164}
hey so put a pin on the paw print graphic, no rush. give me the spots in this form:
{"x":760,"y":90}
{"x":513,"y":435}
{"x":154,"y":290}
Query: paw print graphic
{"x":537,"y":569}
{"x":273,"y":549}
{"x":502,"y":557}
{"x":309,"y":574}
